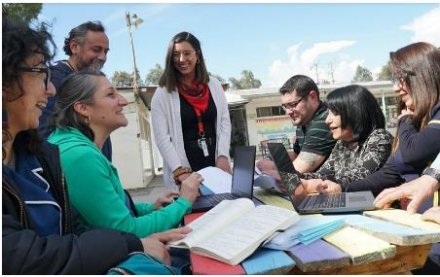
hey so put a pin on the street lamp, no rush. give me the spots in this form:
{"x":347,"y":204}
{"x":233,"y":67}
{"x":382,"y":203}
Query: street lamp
{"x":133,"y":20}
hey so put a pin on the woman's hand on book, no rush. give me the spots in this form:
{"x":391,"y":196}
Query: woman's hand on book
{"x":155,"y":245}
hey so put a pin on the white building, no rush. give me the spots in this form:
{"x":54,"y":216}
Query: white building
{"x":256,"y":116}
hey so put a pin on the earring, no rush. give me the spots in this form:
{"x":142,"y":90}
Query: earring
{"x":87,"y":120}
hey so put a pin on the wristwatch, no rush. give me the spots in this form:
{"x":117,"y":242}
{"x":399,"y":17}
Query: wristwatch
{"x":434,"y":173}
{"x":180,"y":171}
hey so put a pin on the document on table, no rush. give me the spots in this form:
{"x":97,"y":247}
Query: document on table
{"x":217,"y":180}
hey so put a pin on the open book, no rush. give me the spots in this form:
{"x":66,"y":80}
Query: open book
{"x":234,"y":229}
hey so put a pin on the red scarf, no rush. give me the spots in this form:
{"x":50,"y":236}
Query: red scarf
{"x":197,"y":95}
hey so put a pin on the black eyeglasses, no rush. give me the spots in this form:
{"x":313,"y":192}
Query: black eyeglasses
{"x":45,"y":70}
{"x":401,"y":75}
{"x":291,"y":105}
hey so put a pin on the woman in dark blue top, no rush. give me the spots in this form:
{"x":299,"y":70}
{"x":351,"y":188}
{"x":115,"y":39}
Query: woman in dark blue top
{"x":416,"y":75}
{"x":40,"y":234}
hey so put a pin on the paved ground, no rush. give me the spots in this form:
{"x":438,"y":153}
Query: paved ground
{"x":150,"y":193}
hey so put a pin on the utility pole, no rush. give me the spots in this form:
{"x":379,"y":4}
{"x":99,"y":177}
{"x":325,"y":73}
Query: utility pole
{"x":315,"y":65}
{"x":134,"y":20}
{"x":331,"y":72}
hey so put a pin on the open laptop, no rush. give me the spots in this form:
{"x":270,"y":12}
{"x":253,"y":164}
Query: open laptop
{"x":242,"y":181}
{"x":320,"y":203}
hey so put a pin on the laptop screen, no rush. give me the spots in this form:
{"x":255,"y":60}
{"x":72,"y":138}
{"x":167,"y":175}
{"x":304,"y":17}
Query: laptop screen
{"x":243,"y":174}
{"x":280,"y":157}
{"x":289,"y":175}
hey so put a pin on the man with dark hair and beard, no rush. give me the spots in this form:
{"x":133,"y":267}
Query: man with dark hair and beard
{"x":87,"y":46}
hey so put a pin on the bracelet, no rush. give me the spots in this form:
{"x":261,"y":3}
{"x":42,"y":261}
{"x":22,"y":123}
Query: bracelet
{"x":180,"y":171}
{"x":434,"y":173}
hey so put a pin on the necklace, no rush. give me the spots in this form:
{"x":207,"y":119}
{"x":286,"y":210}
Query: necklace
{"x":71,"y":65}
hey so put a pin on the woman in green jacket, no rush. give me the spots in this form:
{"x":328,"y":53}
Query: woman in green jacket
{"x":89,"y":109}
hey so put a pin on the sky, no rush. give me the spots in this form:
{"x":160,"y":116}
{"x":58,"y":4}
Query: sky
{"x":274,"y":41}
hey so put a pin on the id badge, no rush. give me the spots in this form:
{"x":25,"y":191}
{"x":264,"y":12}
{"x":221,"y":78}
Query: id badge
{"x":203,"y":146}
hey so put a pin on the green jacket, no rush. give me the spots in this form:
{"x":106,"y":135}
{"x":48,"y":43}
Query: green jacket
{"x":96,"y":192}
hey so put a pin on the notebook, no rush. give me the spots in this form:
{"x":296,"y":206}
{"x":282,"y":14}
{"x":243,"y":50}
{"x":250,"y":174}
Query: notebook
{"x":242,"y":181}
{"x":321,"y":203}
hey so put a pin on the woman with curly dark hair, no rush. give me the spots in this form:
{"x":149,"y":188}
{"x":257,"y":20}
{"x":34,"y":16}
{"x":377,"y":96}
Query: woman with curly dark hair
{"x":39,"y":234}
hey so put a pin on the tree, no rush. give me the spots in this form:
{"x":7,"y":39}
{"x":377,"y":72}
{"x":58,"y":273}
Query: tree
{"x":385,"y":73}
{"x":247,"y":81}
{"x":362,"y":75}
{"x":154,"y":75}
{"x":22,"y":11}
{"x":122,"y":79}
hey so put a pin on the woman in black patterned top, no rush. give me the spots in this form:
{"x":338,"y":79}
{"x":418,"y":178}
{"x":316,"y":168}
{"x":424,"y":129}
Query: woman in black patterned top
{"x":357,"y":122}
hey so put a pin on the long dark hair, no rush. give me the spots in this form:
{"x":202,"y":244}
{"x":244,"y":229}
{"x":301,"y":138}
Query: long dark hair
{"x":169,"y":78}
{"x":19,"y":42}
{"x":358,"y":109}
{"x":419,"y":65}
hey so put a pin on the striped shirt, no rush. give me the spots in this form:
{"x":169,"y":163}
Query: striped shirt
{"x":315,"y":137}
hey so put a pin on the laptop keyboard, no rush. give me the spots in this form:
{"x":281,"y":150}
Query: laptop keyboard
{"x":326,"y":201}
{"x":214,"y":199}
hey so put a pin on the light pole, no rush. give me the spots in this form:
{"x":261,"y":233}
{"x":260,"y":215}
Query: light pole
{"x":133,"y":20}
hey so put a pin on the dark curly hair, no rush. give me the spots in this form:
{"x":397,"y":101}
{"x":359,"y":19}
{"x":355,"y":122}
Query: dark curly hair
{"x":19,"y":41}
{"x":79,"y":34}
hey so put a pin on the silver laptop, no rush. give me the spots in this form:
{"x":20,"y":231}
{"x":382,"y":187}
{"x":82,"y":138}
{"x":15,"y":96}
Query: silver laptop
{"x":344,"y":202}
{"x":242,"y":181}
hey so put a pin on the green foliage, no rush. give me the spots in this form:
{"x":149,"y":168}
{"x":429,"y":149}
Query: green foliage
{"x":22,"y":11}
{"x":247,"y":81}
{"x":362,"y":75}
{"x":153,"y":76}
{"x":122,"y":79}
{"x":385,"y":73}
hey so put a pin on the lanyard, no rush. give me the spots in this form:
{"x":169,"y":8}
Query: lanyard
{"x":200,"y":126}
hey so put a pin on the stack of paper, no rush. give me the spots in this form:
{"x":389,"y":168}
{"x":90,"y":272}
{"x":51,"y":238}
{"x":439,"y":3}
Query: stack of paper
{"x":216,"y":180}
{"x":308,"y":229}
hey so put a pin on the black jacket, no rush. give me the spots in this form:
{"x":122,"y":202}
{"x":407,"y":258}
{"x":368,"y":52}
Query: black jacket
{"x":25,"y":252}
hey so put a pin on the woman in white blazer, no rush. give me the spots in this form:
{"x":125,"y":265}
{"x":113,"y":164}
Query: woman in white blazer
{"x":190,"y":115}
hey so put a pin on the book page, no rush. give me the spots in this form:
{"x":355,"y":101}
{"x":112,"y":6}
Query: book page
{"x":215,"y":219}
{"x":217,"y":180}
{"x":240,"y":238}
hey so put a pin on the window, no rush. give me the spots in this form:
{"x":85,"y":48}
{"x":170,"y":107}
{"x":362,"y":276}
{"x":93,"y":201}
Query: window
{"x":270,"y":111}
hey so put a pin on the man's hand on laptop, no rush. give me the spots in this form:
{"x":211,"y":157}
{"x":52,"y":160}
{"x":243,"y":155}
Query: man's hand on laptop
{"x":274,"y":173}
{"x":266,"y":165}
